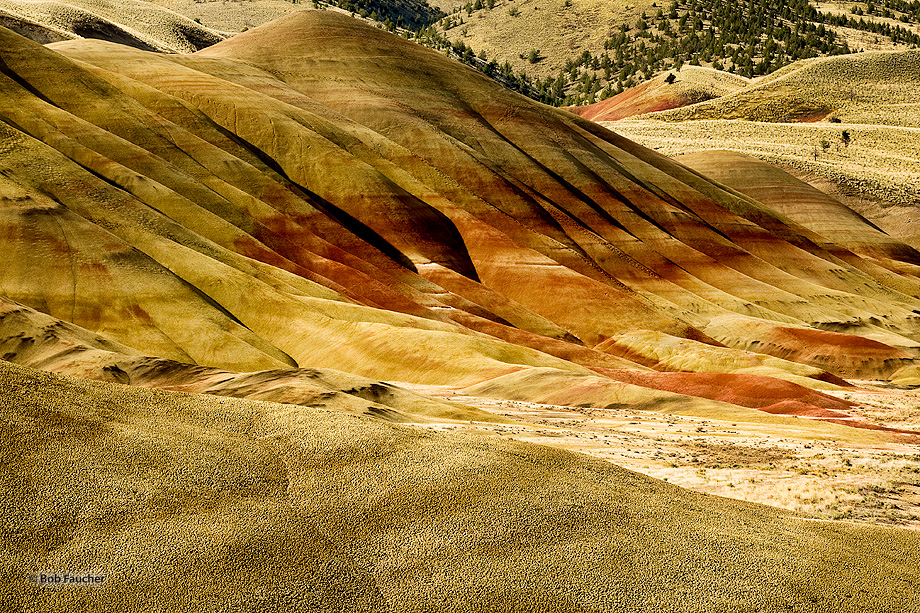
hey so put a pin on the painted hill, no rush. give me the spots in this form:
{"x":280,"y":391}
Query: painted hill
{"x":255,"y":504}
{"x":320,"y":209}
{"x":33,"y":339}
{"x":137,"y":23}
{"x":669,"y":90}
{"x":314,"y":226}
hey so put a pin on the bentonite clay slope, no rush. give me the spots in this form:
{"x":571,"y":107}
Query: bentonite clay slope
{"x":36,"y":340}
{"x":196,"y":503}
{"x":808,"y":206}
{"x":669,"y":90}
{"x":584,"y":178}
{"x":632,"y":204}
{"x":137,"y":23}
{"x":363,"y":204}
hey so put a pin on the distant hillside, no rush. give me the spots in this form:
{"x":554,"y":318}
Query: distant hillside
{"x":595,"y":50}
{"x":669,"y":90}
{"x":241,"y":16}
{"x":185,"y":26}
{"x":847,"y":123}
{"x":38,"y":32}
{"x":136,"y":23}
{"x":866,"y":88}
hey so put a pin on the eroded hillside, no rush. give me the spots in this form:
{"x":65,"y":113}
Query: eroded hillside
{"x":331,"y":219}
{"x":244,"y":209}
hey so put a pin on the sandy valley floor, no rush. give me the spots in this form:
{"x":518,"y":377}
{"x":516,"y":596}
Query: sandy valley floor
{"x":877,"y":483}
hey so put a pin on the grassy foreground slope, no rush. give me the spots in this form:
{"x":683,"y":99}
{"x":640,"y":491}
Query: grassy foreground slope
{"x":198,"y":503}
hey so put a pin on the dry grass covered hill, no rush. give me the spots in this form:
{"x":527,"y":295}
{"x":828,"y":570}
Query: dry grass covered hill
{"x":201,"y":503}
{"x":877,"y":88}
{"x":862,"y":88}
{"x":846,"y":124}
{"x":875,"y":175}
{"x":514,"y":27}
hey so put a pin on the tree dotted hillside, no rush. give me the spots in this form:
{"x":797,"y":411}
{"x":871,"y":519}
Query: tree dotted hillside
{"x":750,"y":39}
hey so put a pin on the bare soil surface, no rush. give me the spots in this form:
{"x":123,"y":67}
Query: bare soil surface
{"x":835,"y":480}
